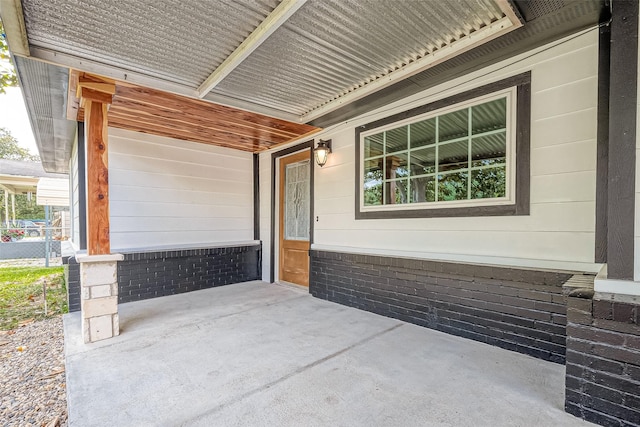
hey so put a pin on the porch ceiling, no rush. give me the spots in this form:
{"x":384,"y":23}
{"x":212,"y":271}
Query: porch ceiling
{"x":161,"y":113}
{"x":318,"y":62}
{"x":292,"y":59}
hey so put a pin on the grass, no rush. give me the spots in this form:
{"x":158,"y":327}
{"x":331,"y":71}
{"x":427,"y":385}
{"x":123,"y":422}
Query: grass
{"x":21,"y":294}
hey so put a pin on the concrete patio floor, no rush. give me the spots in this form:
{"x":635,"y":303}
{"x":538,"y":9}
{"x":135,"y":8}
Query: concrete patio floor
{"x":257,"y":354}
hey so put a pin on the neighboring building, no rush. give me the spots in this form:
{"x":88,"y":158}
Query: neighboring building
{"x":482,"y":173}
{"x":22,"y":177}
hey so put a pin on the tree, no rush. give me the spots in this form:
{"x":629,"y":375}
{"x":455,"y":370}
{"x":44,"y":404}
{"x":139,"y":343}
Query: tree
{"x":10,"y":150}
{"x":7,"y":73}
{"x":26,"y":207}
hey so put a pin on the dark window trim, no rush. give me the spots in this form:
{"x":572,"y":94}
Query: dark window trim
{"x":602,"y":166}
{"x":256,"y":196}
{"x":523,"y":125}
{"x":274,"y":156}
{"x":622,"y":140}
{"x":82,"y":192}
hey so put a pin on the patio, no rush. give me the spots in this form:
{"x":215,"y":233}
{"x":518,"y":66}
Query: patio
{"x":260,"y":354}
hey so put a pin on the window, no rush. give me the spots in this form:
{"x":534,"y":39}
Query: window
{"x":455,"y":157}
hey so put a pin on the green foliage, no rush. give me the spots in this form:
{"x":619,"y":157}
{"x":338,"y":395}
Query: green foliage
{"x":25,"y":208}
{"x":7,"y":73}
{"x":485,"y":184}
{"x":21,"y":294}
{"x":373,"y":188}
{"x":11,"y":150}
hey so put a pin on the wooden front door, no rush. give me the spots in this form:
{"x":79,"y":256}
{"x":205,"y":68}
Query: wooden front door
{"x":295,"y":205}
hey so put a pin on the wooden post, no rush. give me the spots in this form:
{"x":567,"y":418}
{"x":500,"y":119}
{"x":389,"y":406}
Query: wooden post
{"x":95,"y":95}
{"x":96,"y":143}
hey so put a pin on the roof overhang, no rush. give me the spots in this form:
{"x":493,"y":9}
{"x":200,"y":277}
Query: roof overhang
{"x":20,"y":177}
{"x":314,"y":61}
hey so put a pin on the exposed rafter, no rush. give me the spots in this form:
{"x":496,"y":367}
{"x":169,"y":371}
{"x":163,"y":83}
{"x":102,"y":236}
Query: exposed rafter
{"x":161,"y":113}
{"x":271,"y":23}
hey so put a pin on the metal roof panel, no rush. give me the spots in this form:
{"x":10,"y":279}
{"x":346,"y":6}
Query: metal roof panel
{"x":329,"y":48}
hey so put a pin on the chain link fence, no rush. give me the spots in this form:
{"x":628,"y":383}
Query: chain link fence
{"x":25,"y":243}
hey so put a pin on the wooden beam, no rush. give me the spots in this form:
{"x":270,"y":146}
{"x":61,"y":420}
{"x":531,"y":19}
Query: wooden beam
{"x":181,"y":120}
{"x":95,"y":88}
{"x":97,"y":176}
{"x":211,"y":111}
{"x":272,"y":22}
{"x":93,"y":95}
{"x":73,"y":103}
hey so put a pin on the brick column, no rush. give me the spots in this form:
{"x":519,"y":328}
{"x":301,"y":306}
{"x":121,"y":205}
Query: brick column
{"x":99,"y":290}
{"x":603,"y":358}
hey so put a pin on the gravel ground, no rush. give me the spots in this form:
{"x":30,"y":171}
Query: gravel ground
{"x":32,"y":378}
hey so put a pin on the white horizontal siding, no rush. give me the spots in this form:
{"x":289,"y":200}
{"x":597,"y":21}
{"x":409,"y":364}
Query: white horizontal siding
{"x":172,"y":193}
{"x":560,"y":230}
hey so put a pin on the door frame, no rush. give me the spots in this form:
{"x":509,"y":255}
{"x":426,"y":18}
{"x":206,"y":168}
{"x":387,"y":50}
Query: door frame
{"x":307,"y":145}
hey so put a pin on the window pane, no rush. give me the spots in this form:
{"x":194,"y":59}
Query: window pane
{"x":453,"y":156}
{"x":372,"y":193}
{"x":296,"y":219}
{"x":373,"y":145}
{"x":488,"y":183}
{"x":423,"y":133}
{"x":423,"y":161}
{"x":489,"y":150}
{"x":397,"y":139}
{"x":423,"y":189}
{"x":395,"y":192}
{"x":397,"y":166}
{"x":453,"y":125}
{"x":373,"y":182}
{"x":453,"y":186}
{"x":489,"y":116}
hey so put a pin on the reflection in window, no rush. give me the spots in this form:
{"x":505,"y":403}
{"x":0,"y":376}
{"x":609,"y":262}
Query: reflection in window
{"x":459,"y":155}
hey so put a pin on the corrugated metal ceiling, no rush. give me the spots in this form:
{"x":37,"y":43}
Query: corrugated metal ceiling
{"x":326,"y":49}
{"x":181,"y":41}
{"x":329,"y":48}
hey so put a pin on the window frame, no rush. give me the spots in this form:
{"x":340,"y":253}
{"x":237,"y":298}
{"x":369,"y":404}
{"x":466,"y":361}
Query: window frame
{"x":516,"y":201}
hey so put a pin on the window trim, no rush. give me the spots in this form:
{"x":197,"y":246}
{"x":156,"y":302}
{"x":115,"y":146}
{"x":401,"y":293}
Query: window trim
{"x":518,"y":203}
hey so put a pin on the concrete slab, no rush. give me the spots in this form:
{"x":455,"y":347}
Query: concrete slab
{"x":270,"y":355}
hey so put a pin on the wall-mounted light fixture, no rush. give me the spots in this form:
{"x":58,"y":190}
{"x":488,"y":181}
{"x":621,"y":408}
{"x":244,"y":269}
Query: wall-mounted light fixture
{"x":322,"y":152}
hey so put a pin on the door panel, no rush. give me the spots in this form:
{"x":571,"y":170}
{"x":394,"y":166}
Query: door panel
{"x":295,"y":198}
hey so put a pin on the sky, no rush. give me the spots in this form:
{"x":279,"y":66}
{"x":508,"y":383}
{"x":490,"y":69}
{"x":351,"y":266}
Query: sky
{"x":13,"y":116}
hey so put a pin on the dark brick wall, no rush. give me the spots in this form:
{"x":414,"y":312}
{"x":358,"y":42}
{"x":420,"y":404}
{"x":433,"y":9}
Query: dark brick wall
{"x":517,"y":309}
{"x":155,"y":274}
{"x":72,"y":279}
{"x":603,"y":361}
